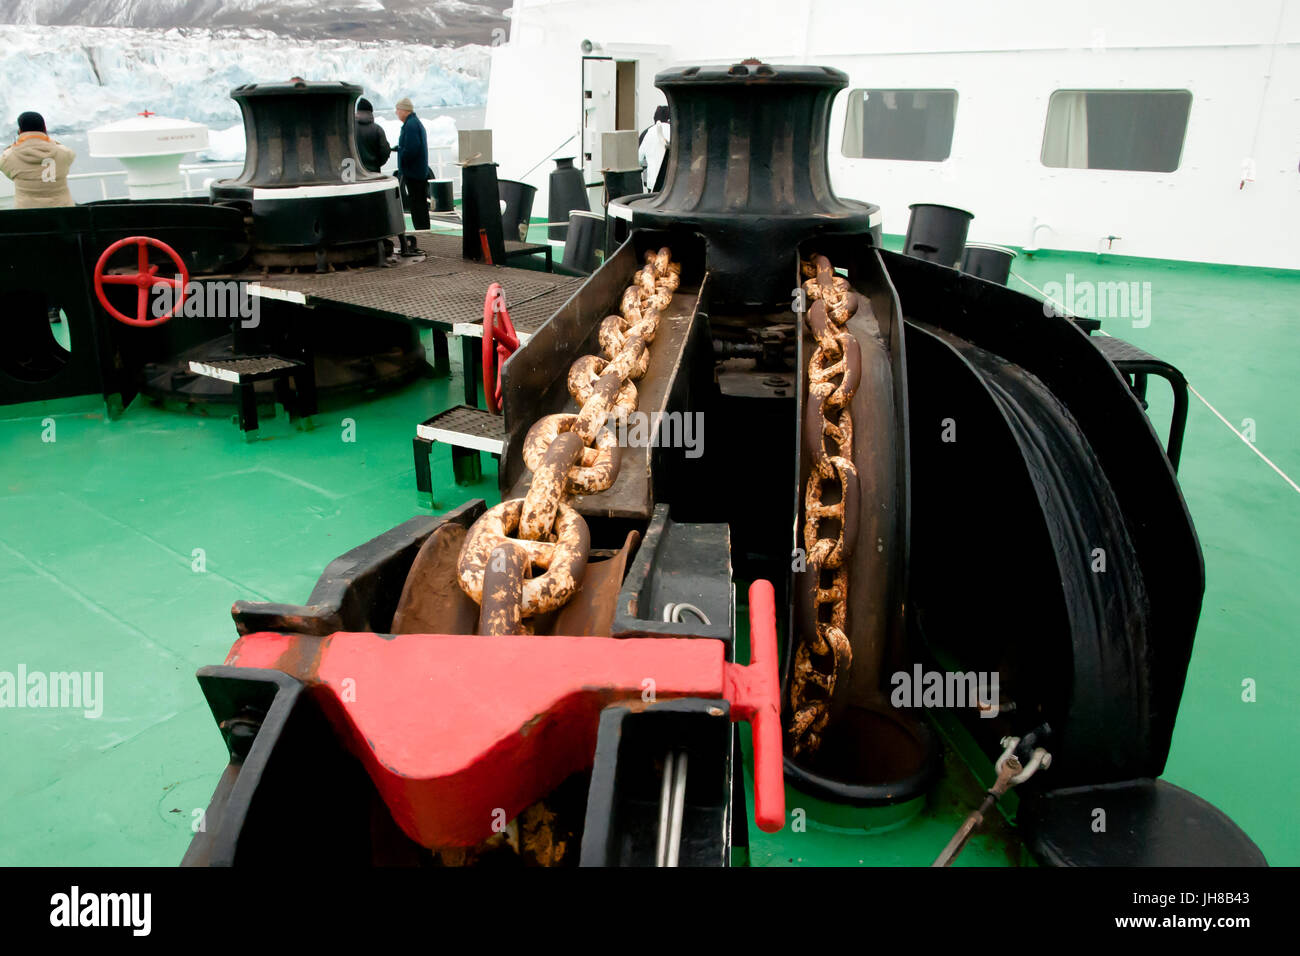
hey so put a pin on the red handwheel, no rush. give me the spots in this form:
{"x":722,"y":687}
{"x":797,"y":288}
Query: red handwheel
{"x":145,"y":278}
{"x":499,"y":343}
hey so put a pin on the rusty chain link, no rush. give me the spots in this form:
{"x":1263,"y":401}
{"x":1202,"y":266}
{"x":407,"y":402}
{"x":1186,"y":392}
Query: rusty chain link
{"x":568,"y":454}
{"x":831,"y":495}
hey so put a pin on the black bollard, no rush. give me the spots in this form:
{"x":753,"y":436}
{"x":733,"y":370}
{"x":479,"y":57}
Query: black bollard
{"x":937,"y":233}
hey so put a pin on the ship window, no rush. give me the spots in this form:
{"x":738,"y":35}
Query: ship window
{"x":1116,"y":129}
{"x":900,"y":124}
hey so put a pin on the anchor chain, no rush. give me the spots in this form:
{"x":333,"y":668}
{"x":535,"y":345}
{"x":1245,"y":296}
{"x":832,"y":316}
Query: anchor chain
{"x":830,"y":499}
{"x":568,"y":455}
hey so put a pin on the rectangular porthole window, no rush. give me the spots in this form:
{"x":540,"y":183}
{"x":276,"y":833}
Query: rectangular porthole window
{"x":1116,"y":129}
{"x":900,"y":124}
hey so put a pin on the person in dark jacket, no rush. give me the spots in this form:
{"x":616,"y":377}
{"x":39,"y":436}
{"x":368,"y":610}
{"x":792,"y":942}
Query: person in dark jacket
{"x":372,"y":141}
{"x":413,"y":163}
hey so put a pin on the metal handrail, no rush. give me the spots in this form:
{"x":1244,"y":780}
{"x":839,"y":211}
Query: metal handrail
{"x":188,"y":169}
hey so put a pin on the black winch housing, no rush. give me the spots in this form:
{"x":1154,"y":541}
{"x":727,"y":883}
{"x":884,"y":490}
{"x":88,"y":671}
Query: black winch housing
{"x":749,"y":173}
{"x":303,"y":183}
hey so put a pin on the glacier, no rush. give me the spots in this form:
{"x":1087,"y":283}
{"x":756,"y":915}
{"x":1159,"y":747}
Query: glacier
{"x":227,"y":145}
{"x":441,"y":21}
{"x":80,"y":77}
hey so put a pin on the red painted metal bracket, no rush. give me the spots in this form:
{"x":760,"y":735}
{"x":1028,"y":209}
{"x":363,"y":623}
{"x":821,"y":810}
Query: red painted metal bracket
{"x":456,"y":729}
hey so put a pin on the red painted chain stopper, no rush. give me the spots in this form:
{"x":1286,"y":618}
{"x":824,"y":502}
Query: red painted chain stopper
{"x":145,"y":278}
{"x":443,"y":762}
{"x":499,"y":343}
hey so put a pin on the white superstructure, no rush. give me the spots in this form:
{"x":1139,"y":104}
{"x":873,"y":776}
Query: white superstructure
{"x":151,"y":148}
{"x":1212,"y":93}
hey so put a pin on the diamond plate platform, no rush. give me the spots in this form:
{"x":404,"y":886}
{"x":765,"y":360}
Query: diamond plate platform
{"x":441,"y":291}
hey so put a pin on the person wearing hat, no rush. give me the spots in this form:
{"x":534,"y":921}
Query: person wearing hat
{"x":38,"y":166}
{"x":372,"y":141}
{"x":413,"y":163}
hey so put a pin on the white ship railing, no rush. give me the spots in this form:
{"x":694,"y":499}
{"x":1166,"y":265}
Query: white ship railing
{"x":197,"y":177}
{"x":188,"y":172}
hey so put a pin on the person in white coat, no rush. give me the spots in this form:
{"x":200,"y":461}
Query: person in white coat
{"x":653,"y":150}
{"x":38,"y":166}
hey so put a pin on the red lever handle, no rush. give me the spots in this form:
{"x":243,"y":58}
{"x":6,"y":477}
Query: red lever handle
{"x":755,"y":695}
{"x":499,"y":343}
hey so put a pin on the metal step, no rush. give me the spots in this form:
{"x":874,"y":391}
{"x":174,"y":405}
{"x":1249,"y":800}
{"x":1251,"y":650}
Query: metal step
{"x":1119,"y":351}
{"x":466,"y":427}
{"x":241,"y":371}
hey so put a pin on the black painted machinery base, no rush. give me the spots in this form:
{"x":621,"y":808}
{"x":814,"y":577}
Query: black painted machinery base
{"x":388,"y":367}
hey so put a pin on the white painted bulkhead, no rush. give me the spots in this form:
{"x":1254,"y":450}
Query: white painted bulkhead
{"x":1240,"y":62}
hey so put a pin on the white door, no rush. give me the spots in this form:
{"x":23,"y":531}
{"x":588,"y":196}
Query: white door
{"x":599,"y":115}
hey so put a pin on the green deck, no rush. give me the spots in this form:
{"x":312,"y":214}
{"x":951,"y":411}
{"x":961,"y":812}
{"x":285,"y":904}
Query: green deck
{"x":98,"y":531}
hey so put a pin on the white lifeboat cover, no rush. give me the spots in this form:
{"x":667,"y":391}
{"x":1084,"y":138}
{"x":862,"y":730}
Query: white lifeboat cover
{"x":147,"y":136}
